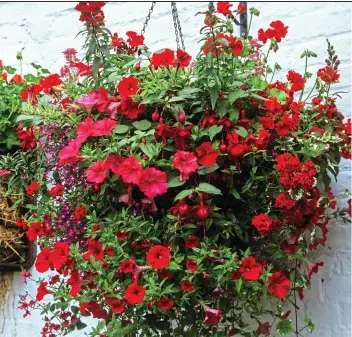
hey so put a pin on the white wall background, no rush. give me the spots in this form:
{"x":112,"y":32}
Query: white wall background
{"x":46,"y":29}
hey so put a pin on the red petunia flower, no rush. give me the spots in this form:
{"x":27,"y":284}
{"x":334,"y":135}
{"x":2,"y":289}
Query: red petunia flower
{"x":69,"y":154}
{"x":32,"y":188}
{"x":164,"y":58}
{"x":130,"y":170}
{"x":113,"y":161}
{"x":57,"y":190}
{"x":313,"y":268}
{"x":42,"y":291}
{"x":223,"y":7}
{"x":103,"y":127}
{"x":165,"y":303}
{"x":97,"y":172}
{"x":279,"y":284}
{"x":75,"y":282}
{"x":134,"y":40}
{"x":263,"y":223}
{"x":158,"y":257}
{"x":206,"y":154}
{"x":49,"y":82}
{"x":251,"y":269}
{"x":153,"y":182}
{"x":35,"y":230}
{"x":95,"y":98}
{"x":192,"y":241}
{"x":127,"y":266}
{"x":117,"y":306}
{"x":43,"y":262}
{"x":134,"y":294}
{"x":121,"y":235}
{"x":212,"y":316}
{"x":130,"y":108}
{"x":186,"y":163}
{"x":95,"y":308}
{"x":30,"y":93}
{"x":128,"y":86}
{"x":187,"y":286}
{"x":95,"y":248}
{"x":60,"y":254}
{"x":191,"y":265}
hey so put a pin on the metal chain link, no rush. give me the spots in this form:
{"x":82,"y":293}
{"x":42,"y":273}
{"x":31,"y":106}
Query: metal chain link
{"x":211,"y":6}
{"x":177,"y":26}
{"x":148,"y":18}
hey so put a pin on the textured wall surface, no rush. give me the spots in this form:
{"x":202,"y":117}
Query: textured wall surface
{"x":46,"y":29}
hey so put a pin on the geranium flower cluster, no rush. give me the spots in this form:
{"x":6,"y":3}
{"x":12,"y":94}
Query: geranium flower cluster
{"x":183,"y":196}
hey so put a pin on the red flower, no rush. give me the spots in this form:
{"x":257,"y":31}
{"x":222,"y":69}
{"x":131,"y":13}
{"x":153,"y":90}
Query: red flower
{"x":187,"y":286}
{"x":206,"y":154}
{"x":186,"y":163}
{"x":164,"y":274}
{"x":165,"y":58}
{"x":103,"y":127}
{"x":182,"y":58}
{"x":17,"y":79}
{"x":69,"y":154}
{"x":49,"y":82}
{"x":153,"y":182}
{"x":241,"y":9}
{"x":4,"y":173}
{"x":313,"y":268}
{"x":121,"y":235}
{"x":290,"y":245}
{"x":42,"y":291}
{"x":60,"y":254}
{"x":134,"y":40}
{"x":130,"y":170}
{"x":57,"y":191}
{"x":328,"y":74}
{"x":297,"y":81}
{"x":223,"y":7}
{"x":134,"y":294}
{"x":30,"y":93}
{"x":80,"y":213}
{"x":21,"y":223}
{"x":277,"y":31}
{"x":263,"y":328}
{"x":97,"y":172}
{"x":191,"y":265}
{"x":43,"y":263}
{"x":34,"y":231}
{"x":95,"y":98}
{"x":95,"y":248}
{"x":127,"y":266}
{"x":158,"y":257}
{"x":212,"y":316}
{"x":128,"y":86}
{"x":251,"y":269}
{"x":95,"y":308}
{"x":32,"y":188}
{"x":210,"y":20}
{"x":75,"y":282}
{"x":192,"y":242}
{"x":165,"y":303}
{"x":263,"y":223}
{"x":113,"y":161}
{"x":130,"y":108}
{"x":27,"y":137}
{"x":116,"y":41}
{"x":279,"y":285}
{"x":236,"y":275}
{"x":116,"y":305}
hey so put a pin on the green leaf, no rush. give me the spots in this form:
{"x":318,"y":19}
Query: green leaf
{"x":207,"y":188}
{"x":242,"y":132}
{"x":142,"y":125}
{"x":238,"y":284}
{"x":284,"y":327}
{"x":121,"y":129}
{"x":214,"y":94}
{"x":96,"y":64}
{"x":257,"y":83}
{"x":308,"y":322}
{"x":214,"y":130}
{"x":203,"y":170}
{"x":233,"y":96}
{"x":280,"y":95}
{"x":173,"y":266}
{"x":175,"y":182}
{"x":235,"y":194}
{"x":183,"y":194}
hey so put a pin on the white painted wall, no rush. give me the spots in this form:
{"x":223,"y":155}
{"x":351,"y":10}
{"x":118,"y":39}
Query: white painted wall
{"x":46,"y":29}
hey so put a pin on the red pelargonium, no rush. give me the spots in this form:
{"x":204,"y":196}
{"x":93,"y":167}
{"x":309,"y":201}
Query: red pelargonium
{"x":223,"y":7}
{"x":128,"y":86}
{"x":277,"y":31}
{"x":263,"y":223}
{"x":153,"y":182}
{"x":186,"y":163}
{"x":134,"y":40}
{"x":97,"y":172}
{"x":134,"y":294}
{"x":27,"y":137}
{"x":297,"y":81}
{"x":251,"y":269}
{"x":158,"y":257}
{"x":206,"y":154}
{"x":279,"y":284}
{"x":49,"y":82}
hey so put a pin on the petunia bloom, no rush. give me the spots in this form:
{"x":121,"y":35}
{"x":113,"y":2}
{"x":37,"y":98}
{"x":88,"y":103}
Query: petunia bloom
{"x":206,"y":154}
{"x":153,"y":182}
{"x":134,"y":294}
{"x":186,"y":163}
{"x":158,"y":257}
{"x":97,"y":172}
{"x":128,"y":86}
{"x":279,"y":284}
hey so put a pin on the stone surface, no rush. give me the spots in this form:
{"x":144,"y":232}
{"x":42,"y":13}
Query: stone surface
{"x":46,"y":29}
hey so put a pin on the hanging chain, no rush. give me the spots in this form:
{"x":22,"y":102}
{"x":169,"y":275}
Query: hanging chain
{"x":211,"y":6}
{"x":148,"y":18}
{"x":177,"y":25}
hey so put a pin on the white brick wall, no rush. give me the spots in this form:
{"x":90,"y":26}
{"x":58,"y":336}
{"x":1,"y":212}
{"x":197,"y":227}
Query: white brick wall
{"x":46,"y":29}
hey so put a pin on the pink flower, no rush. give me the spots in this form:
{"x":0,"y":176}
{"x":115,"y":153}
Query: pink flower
{"x":96,"y":173}
{"x":130,"y":170}
{"x":153,"y":182}
{"x":69,"y":154}
{"x":103,"y":127}
{"x":95,"y":98}
{"x":186,"y":163}
{"x":84,"y":130}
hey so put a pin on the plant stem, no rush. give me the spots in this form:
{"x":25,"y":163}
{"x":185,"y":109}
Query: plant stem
{"x":304,"y":76}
